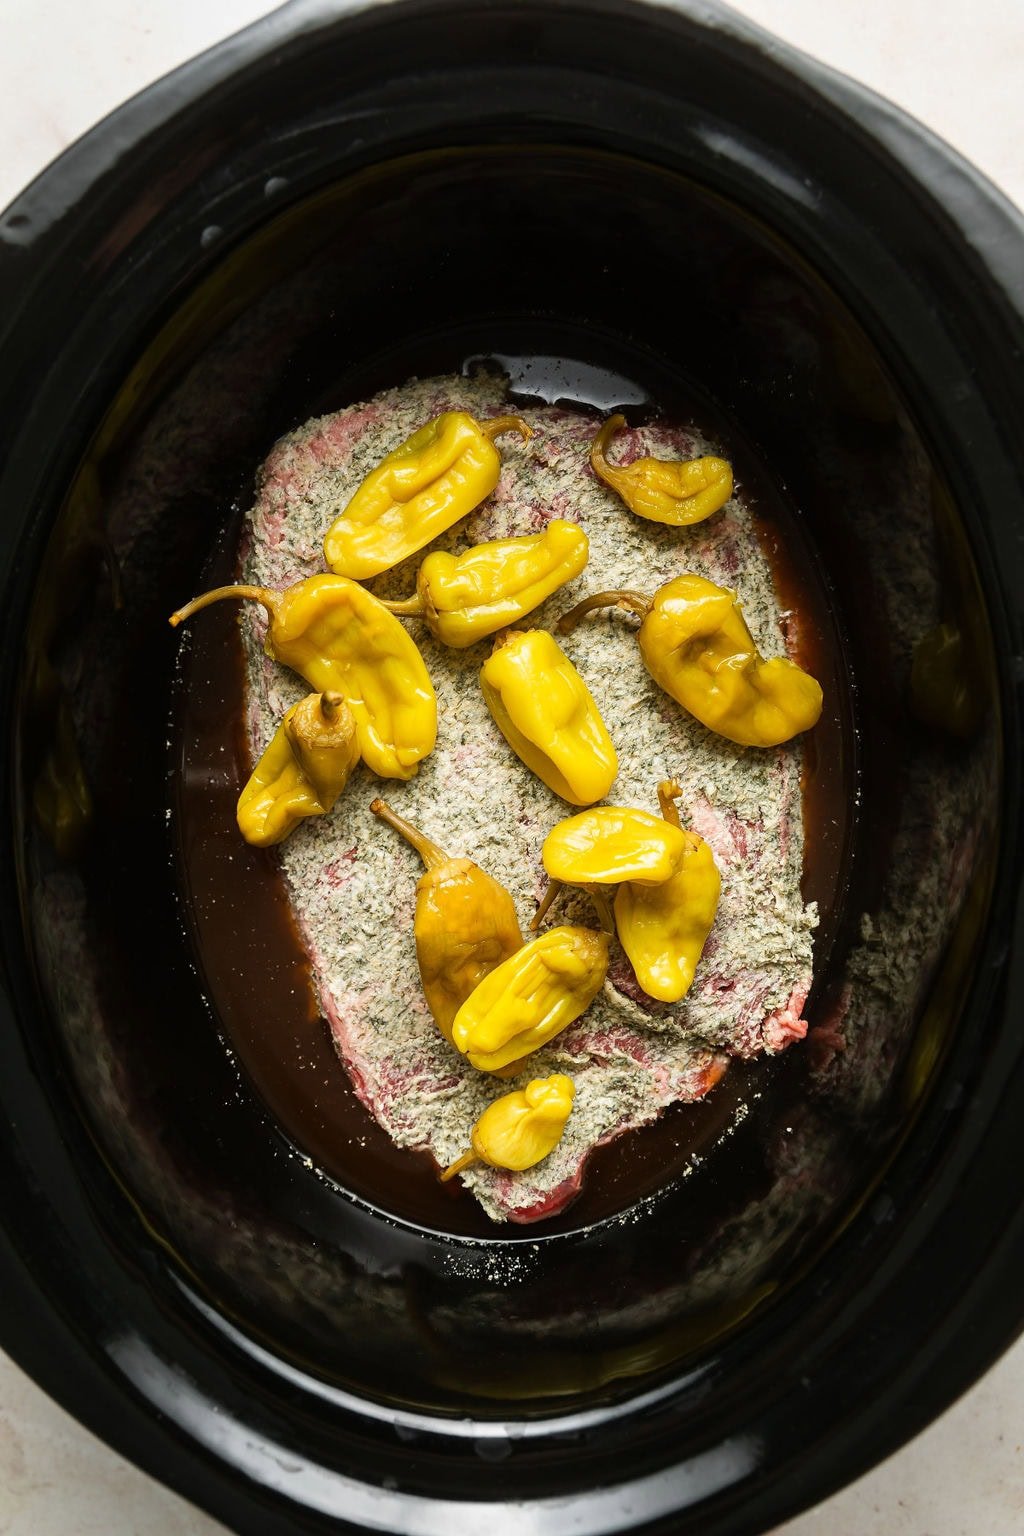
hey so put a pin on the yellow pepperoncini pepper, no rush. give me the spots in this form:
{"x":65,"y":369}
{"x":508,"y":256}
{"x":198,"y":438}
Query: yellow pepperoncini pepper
{"x":531,"y":996}
{"x":303,"y":770}
{"x":611,"y":843}
{"x":663,"y":928}
{"x":421,"y":488}
{"x":547,"y":715}
{"x":463,"y":598}
{"x":465,"y":923}
{"x":341,"y":639}
{"x":520,"y":1129}
{"x":663,"y":490}
{"x":696,"y":645}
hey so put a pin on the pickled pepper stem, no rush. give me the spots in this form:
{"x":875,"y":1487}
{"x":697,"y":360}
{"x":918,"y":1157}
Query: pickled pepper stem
{"x":553,"y":888}
{"x":632,"y":602}
{"x":270,"y":600}
{"x":669,"y":791}
{"x":429,"y":852}
{"x":493,"y":429}
{"x":330,"y":703}
{"x":465,"y":1161}
{"x":409,"y":607}
{"x":598,"y":462}
{"x":603,"y":907}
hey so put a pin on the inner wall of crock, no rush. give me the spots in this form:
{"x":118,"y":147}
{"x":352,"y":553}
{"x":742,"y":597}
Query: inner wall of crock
{"x":413,"y":268}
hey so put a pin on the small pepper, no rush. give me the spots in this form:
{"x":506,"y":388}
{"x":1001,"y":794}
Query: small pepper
{"x":663,"y":928}
{"x":463,"y":598}
{"x":303,"y":770}
{"x":547,"y":715}
{"x":611,"y":843}
{"x":341,"y":639}
{"x":663,"y":490}
{"x":520,"y":1129}
{"x":421,"y":488}
{"x":696,"y":645}
{"x":531,"y":997}
{"x":465,"y":923}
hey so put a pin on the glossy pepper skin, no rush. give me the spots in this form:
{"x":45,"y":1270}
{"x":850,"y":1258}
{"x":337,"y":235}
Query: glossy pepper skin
{"x":465,"y":923}
{"x":663,"y":928}
{"x":303,"y":770}
{"x":520,"y":1129}
{"x":341,"y":639}
{"x":547,"y":715}
{"x":609,"y":844}
{"x":420,"y":489}
{"x":663,"y":490}
{"x":464,"y":598}
{"x":696,"y":645}
{"x":531,"y":997}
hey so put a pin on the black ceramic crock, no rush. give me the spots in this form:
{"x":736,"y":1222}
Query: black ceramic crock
{"x":335,"y":199}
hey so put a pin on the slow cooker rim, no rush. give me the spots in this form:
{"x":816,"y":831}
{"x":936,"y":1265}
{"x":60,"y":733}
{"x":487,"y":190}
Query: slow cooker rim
{"x":187,"y":1468}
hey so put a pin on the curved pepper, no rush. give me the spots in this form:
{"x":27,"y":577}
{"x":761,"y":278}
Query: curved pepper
{"x":341,"y":639}
{"x":302,"y":772}
{"x":547,"y":715}
{"x":463,"y":598}
{"x":521,"y":1128}
{"x":421,"y":488}
{"x":663,"y":490}
{"x":465,"y":923}
{"x":531,"y":997}
{"x":663,"y":928}
{"x":696,"y":645}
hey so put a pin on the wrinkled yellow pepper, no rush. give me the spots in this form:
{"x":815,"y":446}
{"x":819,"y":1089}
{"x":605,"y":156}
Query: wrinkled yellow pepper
{"x":303,"y":770}
{"x":520,"y":1129}
{"x":609,"y":844}
{"x":420,"y":489}
{"x":663,"y":928}
{"x":463,"y":598}
{"x":465,"y":923}
{"x":547,"y":715}
{"x":531,"y":997}
{"x":696,"y":645}
{"x":341,"y":639}
{"x":663,"y":490}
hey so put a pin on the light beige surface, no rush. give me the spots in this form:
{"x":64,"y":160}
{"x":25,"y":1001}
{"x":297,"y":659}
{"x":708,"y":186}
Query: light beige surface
{"x":956,"y":64}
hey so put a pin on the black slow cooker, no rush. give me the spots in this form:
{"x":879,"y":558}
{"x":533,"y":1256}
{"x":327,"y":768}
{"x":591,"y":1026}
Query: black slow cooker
{"x":589,"y":193}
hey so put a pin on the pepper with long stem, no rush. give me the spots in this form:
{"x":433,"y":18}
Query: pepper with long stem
{"x":340,"y":638}
{"x":673,"y":491}
{"x":695,"y":643}
{"x":465,"y":922}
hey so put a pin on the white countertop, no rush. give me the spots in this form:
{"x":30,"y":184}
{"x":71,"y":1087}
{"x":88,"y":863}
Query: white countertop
{"x":956,"y":64}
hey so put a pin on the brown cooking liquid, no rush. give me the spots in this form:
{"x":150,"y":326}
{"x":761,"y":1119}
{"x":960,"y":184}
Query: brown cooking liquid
{"x":258,"y":977}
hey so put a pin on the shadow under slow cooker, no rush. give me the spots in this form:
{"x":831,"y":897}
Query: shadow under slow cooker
{"x":164,"y":947}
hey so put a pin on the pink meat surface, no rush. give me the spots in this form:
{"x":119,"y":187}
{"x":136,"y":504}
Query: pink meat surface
{"x":352,"y":881}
